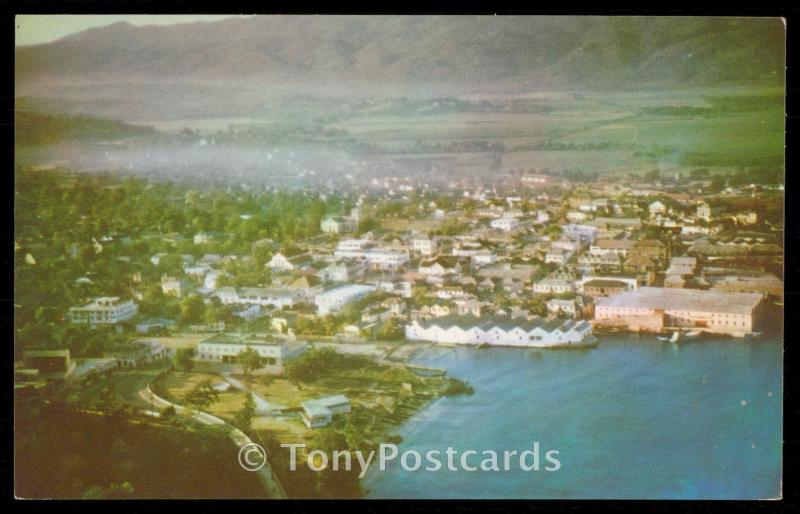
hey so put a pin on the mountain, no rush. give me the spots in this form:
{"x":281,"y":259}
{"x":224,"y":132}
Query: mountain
{"x":400,"y":55}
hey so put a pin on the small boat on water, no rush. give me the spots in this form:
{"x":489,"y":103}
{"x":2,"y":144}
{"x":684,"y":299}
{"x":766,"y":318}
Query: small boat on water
{"x":693,"y":333}
{"x":672,"y":339}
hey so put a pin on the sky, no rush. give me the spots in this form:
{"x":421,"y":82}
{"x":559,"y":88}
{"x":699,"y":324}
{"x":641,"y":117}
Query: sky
{"x":43,"y":28}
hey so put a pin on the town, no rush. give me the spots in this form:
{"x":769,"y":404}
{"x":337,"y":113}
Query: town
{"x":224,"y":287}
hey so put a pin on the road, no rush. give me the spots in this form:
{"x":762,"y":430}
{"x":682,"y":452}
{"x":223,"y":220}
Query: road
{"x":271,"y":484}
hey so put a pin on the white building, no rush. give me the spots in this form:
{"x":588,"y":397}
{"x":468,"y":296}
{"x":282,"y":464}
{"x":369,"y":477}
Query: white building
{"x":505,"y":224}
{"x":225,"y":348}
{"x":275,"y":296}
{"x":375,"y":257}
{"x":319,"y":412}
{"x":334,"y":299}
{"x":500,"y":331}
{"x":657,"y":207}
{"x":424,"y":245}
{"x":103,"y":310}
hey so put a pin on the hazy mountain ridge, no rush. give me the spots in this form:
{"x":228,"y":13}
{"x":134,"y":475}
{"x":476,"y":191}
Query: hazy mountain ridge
{"x":455,"y":54}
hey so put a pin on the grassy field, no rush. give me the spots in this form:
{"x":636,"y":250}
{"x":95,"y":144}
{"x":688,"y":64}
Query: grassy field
{"x":744,"y":128}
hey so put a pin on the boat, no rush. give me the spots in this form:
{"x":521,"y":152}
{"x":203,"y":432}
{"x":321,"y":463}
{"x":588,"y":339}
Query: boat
{"x":693,"y":333}
{"x":675,"y":336}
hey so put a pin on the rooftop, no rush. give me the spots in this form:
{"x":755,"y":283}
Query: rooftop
{"x":685,"y":299}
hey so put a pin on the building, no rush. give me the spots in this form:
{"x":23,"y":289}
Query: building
{"x":553,"y":286}
{"x":616,"y":247}
{"x":604,"y":287}
{"x":501,"y":331}
{"x":335,"y":299}
{"x":582,"y":233}
{"x":558,"y":256}
{"x":656,"y":208}
{"x":55,"y":364}
{"x":274,"y":296}
{"x":506,"y":224}
{"x":711,"y":311}
{"x":424,"y":246}
{"x":440,"y":267}
{"x":103,"y":310}
{"x":289,"y":262}
{"x":377,"y":258}
{"x":764,"y":284}
{"x":225,"y":348}
{"x":704,"y":211}
{"x":139,"y":353}
{"x":319,"y":412}
{"x":172,"y":286}
{"x":154,"y":325}
{"x":341,"y":224}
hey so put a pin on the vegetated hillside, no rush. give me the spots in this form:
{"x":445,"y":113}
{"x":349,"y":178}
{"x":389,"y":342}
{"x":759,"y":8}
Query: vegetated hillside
{"x":36,"y":129}
{"x":449,"y":54}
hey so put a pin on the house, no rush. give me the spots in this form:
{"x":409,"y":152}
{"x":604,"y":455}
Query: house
{"x":440,"y":266}
{"x":704,"y":211}
{"x":657,"y":208}
{"x":341,"y":224}
{"x":647,"y":255}
{"x":604,"y":287}
{"x":553,"y":286}
{"x":172,"y":286}
{"x":290,"y":261}
{"x":617,"y":247}
{"x":506,"y":224}
{"x":396,"y":306}
{"x":336,"y":298}
{"x":424,"y":246}
{"x":103,"y":310}
{"x":558,"y":256}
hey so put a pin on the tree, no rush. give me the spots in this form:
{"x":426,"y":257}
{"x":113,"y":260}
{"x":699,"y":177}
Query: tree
{"x":249,"y":360}
{"x":168,"y":412}
{"x":184,"y":358}
{"x":192,"y":309}
{"x":244,"y":416}
{"x":202,"y":394}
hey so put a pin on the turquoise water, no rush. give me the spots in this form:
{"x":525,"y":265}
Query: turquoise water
{"x":633,"y":418}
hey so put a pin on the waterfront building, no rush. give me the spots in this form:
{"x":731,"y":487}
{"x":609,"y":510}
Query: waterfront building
{"x":500,"y":331}
{"x":730,"y":313}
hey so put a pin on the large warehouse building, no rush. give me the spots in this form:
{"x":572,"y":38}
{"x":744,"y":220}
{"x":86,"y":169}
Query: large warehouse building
{"x":710,"y":311}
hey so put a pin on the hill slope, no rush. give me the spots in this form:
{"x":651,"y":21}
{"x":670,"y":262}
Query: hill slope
{"x":401,"y":55}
